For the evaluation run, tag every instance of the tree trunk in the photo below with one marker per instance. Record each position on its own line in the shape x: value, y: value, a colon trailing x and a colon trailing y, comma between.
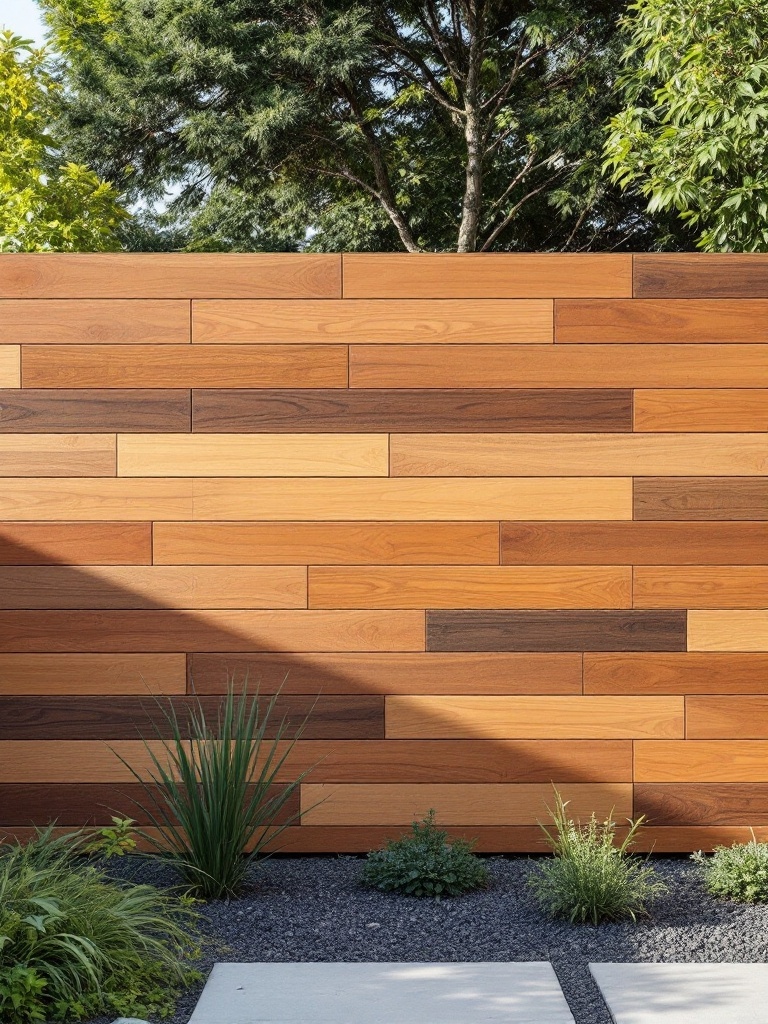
x: 473, y: 135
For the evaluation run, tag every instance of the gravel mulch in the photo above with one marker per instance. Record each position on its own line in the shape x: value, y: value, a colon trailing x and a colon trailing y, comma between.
x: 314, y: 908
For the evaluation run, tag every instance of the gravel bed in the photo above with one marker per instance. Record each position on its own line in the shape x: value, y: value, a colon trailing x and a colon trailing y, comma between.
x: 314, y: 908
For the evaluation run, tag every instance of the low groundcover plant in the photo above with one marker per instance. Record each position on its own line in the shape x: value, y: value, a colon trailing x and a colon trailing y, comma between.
x: 738, y: 872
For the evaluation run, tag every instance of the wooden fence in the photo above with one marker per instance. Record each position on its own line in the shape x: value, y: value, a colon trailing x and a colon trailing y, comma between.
x: 500, y: 520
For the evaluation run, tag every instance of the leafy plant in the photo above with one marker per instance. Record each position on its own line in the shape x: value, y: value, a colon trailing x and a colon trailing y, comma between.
x: 592, y: 877
x: 215, y: 795
x: 424, y: 863
x: 738, y: 872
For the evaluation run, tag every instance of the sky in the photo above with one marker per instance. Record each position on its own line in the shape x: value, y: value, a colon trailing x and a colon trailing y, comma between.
x: 23, y: 18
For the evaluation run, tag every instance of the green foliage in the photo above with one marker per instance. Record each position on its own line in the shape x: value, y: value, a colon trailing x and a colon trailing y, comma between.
x: 591, y: 878
x: 693, y: 136
x: 113, y: 840
x: 424, y: 863
x: 215, y: 796
x: 74, y: 943
x: 738, y: 872
x: 46, y: 202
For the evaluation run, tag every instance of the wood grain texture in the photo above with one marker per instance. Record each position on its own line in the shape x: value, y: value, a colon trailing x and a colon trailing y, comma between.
x: 91, y: 674
x: 479, y: 804
x: 728, y: 630
x: 34, y: 411
x: 558, y: 366
x: 724, y: 804
x: 704, y: 586
x: 153, y: 586
x: 700, y: 275
x: 160, y: 631
x: 424, y: 410
x: 239, y: 455
x: 95, y: 499
x: 674, y: 321
x: 636, y: 543
x: 389, y: 673
x: 486, y: 275
x: 170, y: 275
x: 380, y: 321
x: 556, y: 630
x: 412, y: 499
x: 75, y: 543
x: 94, y: 321
x: 55, y: 761
x: 705, y: 410
x: 491, y: 718
x: 10, y: 366
x: 726, y: 717
x: 198, y: 366
x: 675, y: 673
x: 701, y: 761
x: 325, y: 543
x: 701, y: 498
x: 578, y: 454
x: 473, y: 587
x: 57, y: 455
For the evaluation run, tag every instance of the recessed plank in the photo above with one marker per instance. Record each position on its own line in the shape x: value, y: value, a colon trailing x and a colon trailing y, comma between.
x: 35, y: 455
x: 486, y: 275
x: 728, y: 630
x: 725, y: 804
x: 153, y: 586
x: 95, y: 499
x: 239, y: 455
x: 726, y: 717
x: 325, y: 543
x: 388, y: 673
x: 92, y: 674
x: 412, y: 499
x: 556, y: 630
x: 725, y: 409
x: 75, y: 543
x: 10, y: 366
x: 701, y: 761
x: 381, y: 321
x: 170, y: 275
x: 198, y: 366
x: 675, y: 321
x: 474, y: 587
x: 636, y: 543
x: 705, y: 275
x: 456, y: 804
x: 702, y: 498
x: 34, y: 411
x: 161, y: 631
x: 558, y: 366
x: 288, y: 411
x: 578, y: 454
x: 491, y: 718
x: 675, y: 673
x: 704, y: 586
x: 683, y: 839
x: 94, y: 321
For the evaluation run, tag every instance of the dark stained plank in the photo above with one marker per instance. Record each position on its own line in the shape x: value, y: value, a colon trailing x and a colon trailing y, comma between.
x: 700, y: 275
x: 722, y: 803
x: 635, y: 543
x: 653, y: 321
x: 569, y: 630
x: 75, y: 543
x: 117, y: 718
x: 707, y: 498
x: 46, y: 410
x: 424, y: 410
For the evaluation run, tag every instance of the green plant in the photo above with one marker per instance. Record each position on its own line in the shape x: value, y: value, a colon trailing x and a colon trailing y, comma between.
x: 75, y: 943
x: 591, y: 877
x: 424, y: 863
x: 738, y: 872
x: 215, y: 795
x: 114, y: 840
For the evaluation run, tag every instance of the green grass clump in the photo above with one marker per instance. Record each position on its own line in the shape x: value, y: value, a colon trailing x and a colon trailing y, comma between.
x: 424, y: 863
x: 591, y: 877
x: 738, y: 872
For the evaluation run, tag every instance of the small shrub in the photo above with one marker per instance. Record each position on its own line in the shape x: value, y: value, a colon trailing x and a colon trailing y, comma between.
x: 591, y: 878
x: 738, y: 872
x: 424, y: 863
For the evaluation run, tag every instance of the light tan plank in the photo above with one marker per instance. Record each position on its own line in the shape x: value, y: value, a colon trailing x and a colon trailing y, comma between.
x: 238, y: 455
x: 705, y: 586
x: 412, y: 717
x: 579, y: 454
x: 705, y: 409
x: 91, y: 674
x: 10, y: 366
x: 728, y: 630
x: 57, y: 455
x: 94, y: 321
x: 94, y: 499
x: 701, y: 761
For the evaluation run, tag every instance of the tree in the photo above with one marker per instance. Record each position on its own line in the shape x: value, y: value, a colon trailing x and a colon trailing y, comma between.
x: 386, y: 124
x: 693, y: 137
x: 44, y: 203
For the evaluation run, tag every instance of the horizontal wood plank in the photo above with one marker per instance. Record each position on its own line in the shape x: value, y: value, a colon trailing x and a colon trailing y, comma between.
x: 57, y: 455
x: 728, y: 630
x: 700, y: 275
x: 701, y: 498
x: 702, y: 761
x: 52, y: 499
x: 691, y: 672
x: 650, y: 321
x: 703, y: 410
x: 75, y: 543
x: 94, y: 321
x: 704, y: 586
x: 742, y: 717
x: 10, y: 366
x: 697, y: 804
x: 62, y: 410
x: 91, y: 674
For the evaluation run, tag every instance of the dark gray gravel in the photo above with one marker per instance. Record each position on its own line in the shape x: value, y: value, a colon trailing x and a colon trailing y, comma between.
x: 313, y: 908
